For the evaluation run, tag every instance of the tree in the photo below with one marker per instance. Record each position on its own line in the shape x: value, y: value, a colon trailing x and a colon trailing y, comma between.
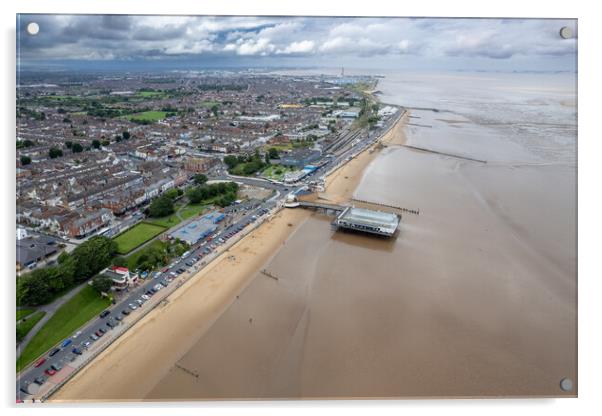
x: 96, y: 144
x: 200, y: 179
x: 231, y: 161
x: 25, y: 160
x: 161, y: 207
x: 267, y: 158
x: 215, y: 109
x: 195, y: 195
x: 126, y: 135
x: 273, y: 152
x: 106, y: 142
x: 120, y: 261
x: 55, y: 152
x: 102, y: 284
x: 77, y: 148
x: 68, y: 144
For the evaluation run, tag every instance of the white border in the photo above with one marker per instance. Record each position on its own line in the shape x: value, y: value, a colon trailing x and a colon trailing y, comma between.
x: 590, y: 70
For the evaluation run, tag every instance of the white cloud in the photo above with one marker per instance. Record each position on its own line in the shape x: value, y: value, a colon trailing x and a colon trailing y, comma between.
x: 304, y: 46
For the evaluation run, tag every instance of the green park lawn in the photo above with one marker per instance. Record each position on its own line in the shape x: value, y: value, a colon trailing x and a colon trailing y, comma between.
x: 276, y: 172
x: 167, y: 222
x: 24, y: 327
x: 137, y: 235
x: 192, y: 210
x: 208, y: 104
x: 22, y: 313
x: 151, y: 116
x: 78, y: 310
x: 151, y: 94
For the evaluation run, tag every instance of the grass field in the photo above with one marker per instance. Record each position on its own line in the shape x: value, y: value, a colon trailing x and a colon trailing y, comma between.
x: 167, y: 222
x: 74, y: 313
x: 186, y: 212
x: 147, y: 116
x: 136, y: 236
x: 192, y: 210
x: 151, y: 94
x: 24, y: 327
x: 276, y: 172
x: 22, y: 313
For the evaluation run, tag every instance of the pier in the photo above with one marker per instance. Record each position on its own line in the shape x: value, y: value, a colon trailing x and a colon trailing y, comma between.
x: 353, y: 218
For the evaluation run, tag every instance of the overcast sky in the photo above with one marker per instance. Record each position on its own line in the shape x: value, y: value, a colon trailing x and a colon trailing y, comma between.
x: 196, y: 42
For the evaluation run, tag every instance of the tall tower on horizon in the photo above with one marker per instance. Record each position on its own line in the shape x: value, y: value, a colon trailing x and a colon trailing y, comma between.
x: 342, y: 71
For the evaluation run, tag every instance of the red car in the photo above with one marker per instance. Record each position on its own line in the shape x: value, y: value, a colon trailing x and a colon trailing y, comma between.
x: 40, y: 362
x: 50, y: 371
x: 165, y: 270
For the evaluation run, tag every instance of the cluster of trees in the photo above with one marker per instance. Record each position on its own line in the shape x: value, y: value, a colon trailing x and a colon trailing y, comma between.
x: 55, y: 152
x: 223, y: 192
x: 199, y: 179
x: 22, y: 144
x: 164, y: 205
x: 158, y: 255
x: 124, y: 136
x: 25, y: 160
x: 241, y: 165
x: 43, y: 285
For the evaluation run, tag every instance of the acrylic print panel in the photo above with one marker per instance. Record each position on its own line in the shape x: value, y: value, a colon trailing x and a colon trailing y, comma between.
x: 295, y: 207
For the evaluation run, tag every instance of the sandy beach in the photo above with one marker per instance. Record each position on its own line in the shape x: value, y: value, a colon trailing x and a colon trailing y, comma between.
x: 124, y: 371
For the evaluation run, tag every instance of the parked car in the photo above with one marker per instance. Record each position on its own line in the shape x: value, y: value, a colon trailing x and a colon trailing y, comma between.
x: 111, y: 324
x: 40, y: 362
x: 140, y: 302
x: 76, y: 351
x: 77, y: 334
x: 40, y: 380
x: 50, y: 371
x: 132, y: 306
x: 86, y: 344
x: 104, y: 314
x: 54, y: 352
x: 56, y: 366
x: 125, y: 312
x: 66, y: 343
x: 93, y: 337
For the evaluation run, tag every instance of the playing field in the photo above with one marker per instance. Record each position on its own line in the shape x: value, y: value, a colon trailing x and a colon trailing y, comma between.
x: 147, y: 116
x: 136, y: 236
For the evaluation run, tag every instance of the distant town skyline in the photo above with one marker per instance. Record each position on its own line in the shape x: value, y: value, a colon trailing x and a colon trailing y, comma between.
x: 185, y: 42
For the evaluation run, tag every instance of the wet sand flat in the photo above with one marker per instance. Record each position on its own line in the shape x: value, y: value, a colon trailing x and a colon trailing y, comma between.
x: 465, y: 302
